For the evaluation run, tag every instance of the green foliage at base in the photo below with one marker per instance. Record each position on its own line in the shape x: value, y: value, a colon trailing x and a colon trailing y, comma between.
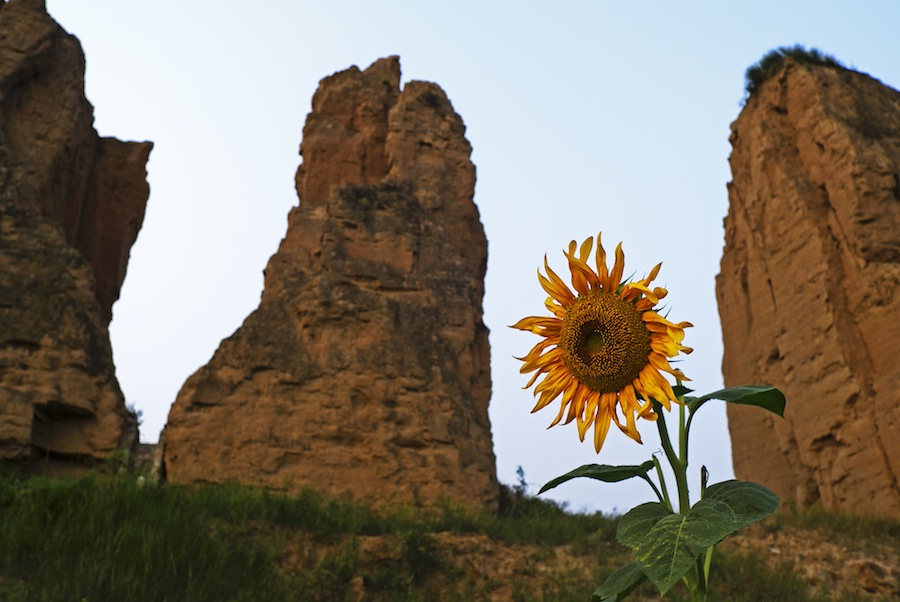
x: 774, y: 60
x: 749, y: 577
x: 104, y: 538
x: 109, y: 537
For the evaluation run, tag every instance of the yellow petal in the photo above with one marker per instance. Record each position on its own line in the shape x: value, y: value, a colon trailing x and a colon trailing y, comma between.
x: 649, y: 387
x: 643, y: 305
x: 584, y: 423
x: 600, y: 258
x: 560, y: 293
x: 653, y: 273
x: 601, y: 428
x: 560, y: 284
x: 572, y: 413
x: 628, y: 399
x: 585, y: 250
x: 557, y: 310
x: 537, y: 324
x: 647, y: 292
x: 631, y: 427
x: 664, y: 345
x: 583, y: 277
x: 615, y: 276
x: 562, y: 409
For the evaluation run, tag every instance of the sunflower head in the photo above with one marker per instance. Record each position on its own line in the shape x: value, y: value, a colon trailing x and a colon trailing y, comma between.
x: 603, y: 348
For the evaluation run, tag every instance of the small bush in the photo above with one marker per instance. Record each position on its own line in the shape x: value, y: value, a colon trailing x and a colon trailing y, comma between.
x: 774, y: 60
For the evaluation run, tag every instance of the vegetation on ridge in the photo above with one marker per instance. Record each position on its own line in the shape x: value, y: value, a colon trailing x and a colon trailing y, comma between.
x: 774, y: 60
x: 120, y: 537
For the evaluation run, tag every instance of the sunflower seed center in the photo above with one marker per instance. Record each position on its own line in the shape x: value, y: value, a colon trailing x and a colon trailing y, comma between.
x: 604, y: 342
x: 593, y: 343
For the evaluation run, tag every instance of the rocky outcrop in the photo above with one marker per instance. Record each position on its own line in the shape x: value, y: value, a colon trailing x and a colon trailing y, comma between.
x: 808, y: 290
x: 365, y: 370
x: 71, y: 204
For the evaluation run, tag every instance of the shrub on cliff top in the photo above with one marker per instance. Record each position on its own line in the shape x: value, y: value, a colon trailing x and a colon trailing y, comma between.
x: 773, y: 61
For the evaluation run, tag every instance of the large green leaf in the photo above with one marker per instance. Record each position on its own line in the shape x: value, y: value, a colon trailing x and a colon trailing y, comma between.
x: 762, y: 396
x: 635, y: 524
x: 601, y: 472
x: 622, y: 582
x: 671, y: 547
x: 749, y: 502
x: 666, y: 545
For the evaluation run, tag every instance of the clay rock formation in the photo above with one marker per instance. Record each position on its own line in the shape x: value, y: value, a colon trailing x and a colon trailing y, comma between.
x: 365, y: 370
x: 71, y: 204
x: 808, y: 290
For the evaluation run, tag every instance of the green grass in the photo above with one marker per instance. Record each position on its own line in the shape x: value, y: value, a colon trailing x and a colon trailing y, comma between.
x: 864, y: 531
x: 99, y: 539
x: 105, y: 537
x: 774, y: 60
x: 748, y: 577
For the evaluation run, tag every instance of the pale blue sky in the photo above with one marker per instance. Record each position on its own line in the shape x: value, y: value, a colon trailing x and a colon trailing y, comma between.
x: 583, y: 116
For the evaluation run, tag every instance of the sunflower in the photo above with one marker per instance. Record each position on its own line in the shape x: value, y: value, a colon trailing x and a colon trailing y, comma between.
x: 604, y: 348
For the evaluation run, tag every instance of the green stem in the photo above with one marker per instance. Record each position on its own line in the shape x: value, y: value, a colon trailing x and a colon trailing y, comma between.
x: 687, y: 429
x: 662, y: 482
x: 698, y: 592
x: 698, y: 595
x: 679, y: 467
x: 707, y: 561
x: 655, y: 490
x: 696, y: 578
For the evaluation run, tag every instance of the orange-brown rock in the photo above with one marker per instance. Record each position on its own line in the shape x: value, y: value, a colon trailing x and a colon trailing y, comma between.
x: 808, y: 290
x: 365, y: 370
x: 71, y: 204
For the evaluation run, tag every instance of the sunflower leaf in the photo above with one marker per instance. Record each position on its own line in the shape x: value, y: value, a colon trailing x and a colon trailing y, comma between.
x: 601, y: 472
x: 750, y: 502
x: 666, y: 545
x: 619, y: 584
x: 672, y: 546
x: 681, y: 390
x: 635, y: 524
x: 762, y: 396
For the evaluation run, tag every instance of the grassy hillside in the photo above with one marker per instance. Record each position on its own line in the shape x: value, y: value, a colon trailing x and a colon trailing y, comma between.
x: 109, y: 537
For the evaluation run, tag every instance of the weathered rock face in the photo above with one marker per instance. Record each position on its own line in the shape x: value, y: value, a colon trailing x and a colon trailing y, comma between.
x: 808, y: 292
x: 71, y: 204
x: 365, y: 370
